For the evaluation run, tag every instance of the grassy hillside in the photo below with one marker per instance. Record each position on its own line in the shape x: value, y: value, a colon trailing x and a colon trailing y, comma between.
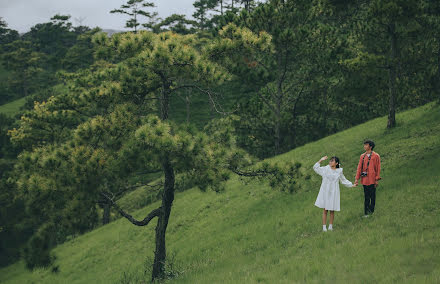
x: 13, y: 107
x: 251, y: 234
x: 4, y: 76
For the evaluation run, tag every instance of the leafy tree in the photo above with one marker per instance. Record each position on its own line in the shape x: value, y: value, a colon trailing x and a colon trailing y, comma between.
x: 80, y: 55
x: 49, y: 133
x: 212, y: 15
x: 38, y: 54
x: 383, y: 28
x: 13, y: 231
x: 430, y: 40
x: 111, y: 132
x: 6, y: 35
x: 134, y: 9
x: 172, y: 63
x: 201, y: 14
x: 26, y: 66
x: 282, y: 74
x: 176, y: 23
x: 53, y: 39
x: 249, y: 5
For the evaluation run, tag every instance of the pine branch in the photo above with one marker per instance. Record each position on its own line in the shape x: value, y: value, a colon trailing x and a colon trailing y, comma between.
x: 217, y: 107
x: 120, y: 11
x: 257, y: 173
x: 154, y: 213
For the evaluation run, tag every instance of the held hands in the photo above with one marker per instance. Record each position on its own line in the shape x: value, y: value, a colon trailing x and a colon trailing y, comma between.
x: 356, y: 183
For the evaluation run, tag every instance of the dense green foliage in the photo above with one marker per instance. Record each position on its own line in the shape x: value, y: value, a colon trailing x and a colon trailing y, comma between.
x: 33, y: 59
x: 191, y: 103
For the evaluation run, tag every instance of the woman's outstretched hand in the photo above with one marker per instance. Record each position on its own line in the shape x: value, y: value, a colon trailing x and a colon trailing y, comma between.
x: 323, y: 159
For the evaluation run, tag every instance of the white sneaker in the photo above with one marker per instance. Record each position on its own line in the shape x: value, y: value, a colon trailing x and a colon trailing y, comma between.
x: 324, y: 229
x: 330, y: 228
x: 366, y: 216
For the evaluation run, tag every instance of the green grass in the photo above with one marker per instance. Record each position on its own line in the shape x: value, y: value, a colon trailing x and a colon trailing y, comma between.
x: 252, y: 234
x: 12, y: 108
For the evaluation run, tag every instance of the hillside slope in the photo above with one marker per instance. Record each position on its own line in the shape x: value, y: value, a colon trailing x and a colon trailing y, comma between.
x: 250, y: 233
x: 12, y: 108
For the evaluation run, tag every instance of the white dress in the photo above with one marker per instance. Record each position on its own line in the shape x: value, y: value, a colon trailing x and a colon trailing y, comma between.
x: 329, y: 197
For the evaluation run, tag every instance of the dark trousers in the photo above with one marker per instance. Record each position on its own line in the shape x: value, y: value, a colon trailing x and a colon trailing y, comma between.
x: 370, y: 198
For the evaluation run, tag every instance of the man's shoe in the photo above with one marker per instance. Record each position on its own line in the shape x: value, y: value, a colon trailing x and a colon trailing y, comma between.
x: 366, y: 216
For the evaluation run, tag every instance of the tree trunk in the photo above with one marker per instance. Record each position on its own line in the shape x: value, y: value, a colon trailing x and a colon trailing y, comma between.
x: 167, y: 198
x: 437, y: 85
x: 162, y: 222
x: 25, y: 88
x: 135, y: 23
x: 106, y: 213
x: 165, y: 102
x: 187, y: 101
x: 326, y: 111
x: 392, y: 78
x: 277, y: 123
x: 294, y: 114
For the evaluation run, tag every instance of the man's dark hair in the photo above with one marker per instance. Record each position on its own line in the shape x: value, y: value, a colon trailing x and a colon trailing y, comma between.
x: 371, y: 143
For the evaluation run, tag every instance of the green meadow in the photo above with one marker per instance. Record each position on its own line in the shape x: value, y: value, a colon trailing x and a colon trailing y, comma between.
x: 12, y: 108
x: 252, y: 234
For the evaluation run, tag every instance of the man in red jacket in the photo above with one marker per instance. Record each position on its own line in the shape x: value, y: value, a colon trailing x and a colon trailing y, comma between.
x: 368, y: 171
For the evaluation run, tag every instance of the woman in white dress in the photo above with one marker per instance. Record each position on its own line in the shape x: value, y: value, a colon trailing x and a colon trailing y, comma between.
x: 329, y: 196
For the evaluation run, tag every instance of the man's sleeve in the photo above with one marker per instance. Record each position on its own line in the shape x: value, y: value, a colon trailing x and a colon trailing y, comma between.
x: 358, y: 172
x: 377, y: 169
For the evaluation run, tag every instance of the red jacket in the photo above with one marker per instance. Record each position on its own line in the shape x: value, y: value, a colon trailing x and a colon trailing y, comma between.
x: 373, y: 170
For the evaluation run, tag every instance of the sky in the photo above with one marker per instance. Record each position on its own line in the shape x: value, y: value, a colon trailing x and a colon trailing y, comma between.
x: 21, y: 15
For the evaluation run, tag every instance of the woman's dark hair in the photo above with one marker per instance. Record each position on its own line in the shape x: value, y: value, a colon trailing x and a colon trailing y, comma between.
x: 369, y: 142
x: 336, y: 160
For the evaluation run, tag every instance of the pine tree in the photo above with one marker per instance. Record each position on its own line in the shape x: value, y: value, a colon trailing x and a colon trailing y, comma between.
x: 203, y: 7
x: 112, y: 131
x: 382, y: 29
x: 134, y: 9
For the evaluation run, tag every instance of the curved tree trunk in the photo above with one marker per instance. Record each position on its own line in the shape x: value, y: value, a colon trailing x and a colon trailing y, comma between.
x: 162, y: 223
x: 167, y: 196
